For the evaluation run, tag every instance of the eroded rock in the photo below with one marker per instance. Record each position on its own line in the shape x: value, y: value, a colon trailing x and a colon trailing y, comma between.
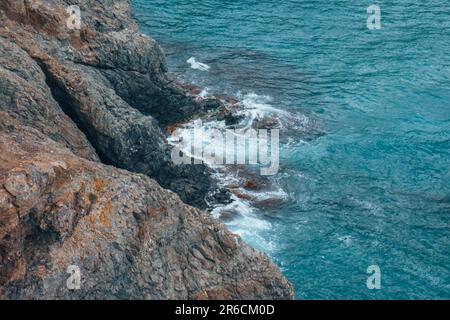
x: 70, y: 100
x: 129, y: 237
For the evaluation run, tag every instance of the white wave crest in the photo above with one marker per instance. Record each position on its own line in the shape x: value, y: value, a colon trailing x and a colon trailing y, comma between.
x: 197, y: 65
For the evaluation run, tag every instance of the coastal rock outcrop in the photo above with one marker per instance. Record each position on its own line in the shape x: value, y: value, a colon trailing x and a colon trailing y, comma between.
x: 111, y: 81
x: 25, y: 96
x: 81, y: 140
x: 129, y: 237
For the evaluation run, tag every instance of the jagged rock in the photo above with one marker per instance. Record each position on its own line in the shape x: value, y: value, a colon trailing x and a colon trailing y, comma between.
x: 105, y: 76
x: 71, y: 99
x: 129, y: 237
x: 25, y: 97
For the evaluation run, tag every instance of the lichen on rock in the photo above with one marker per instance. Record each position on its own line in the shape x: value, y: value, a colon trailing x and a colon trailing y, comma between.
x: 84, y: 160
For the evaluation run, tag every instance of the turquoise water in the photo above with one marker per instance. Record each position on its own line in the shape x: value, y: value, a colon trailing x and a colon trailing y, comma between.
x: 371, y: 183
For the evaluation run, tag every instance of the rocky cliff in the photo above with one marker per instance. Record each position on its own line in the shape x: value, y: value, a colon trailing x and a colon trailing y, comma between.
x: 82, y: 114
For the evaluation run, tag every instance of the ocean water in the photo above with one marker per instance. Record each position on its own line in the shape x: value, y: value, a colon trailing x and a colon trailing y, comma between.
x: 365, y: 157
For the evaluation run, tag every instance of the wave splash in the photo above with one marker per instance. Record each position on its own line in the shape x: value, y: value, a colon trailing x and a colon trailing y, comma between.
x: 197, y: 65
x: 251, y: 192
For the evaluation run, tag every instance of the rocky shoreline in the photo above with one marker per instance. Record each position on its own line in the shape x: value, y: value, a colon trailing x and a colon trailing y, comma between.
x: 86, y: 177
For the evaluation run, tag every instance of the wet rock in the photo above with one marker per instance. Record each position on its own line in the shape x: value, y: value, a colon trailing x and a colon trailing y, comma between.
x: 219, y: 196
x: 268, y: 123
x: 251, y: 185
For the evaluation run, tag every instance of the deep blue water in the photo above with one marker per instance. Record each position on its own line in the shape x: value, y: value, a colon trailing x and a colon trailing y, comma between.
x: 374, y: 187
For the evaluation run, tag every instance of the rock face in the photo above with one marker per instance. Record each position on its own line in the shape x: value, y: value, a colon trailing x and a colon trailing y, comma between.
x: 129, y: 237
x: 77, y: 107
x: 109, y: 79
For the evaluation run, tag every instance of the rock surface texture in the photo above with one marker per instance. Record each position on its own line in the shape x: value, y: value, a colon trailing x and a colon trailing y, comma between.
x: 81, y: 140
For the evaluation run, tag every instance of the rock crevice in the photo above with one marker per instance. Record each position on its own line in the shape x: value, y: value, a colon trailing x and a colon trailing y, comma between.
x: 81, y: 138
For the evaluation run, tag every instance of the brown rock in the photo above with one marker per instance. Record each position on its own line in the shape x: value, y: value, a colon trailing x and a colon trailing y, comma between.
x: 70, y: 99
x: 125, y: 244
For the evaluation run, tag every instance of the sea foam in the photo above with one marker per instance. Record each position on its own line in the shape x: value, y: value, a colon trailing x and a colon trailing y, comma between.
x: 197, y: 65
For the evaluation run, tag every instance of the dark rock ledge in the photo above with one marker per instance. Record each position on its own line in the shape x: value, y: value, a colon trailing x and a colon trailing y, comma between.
x: 77, y: 107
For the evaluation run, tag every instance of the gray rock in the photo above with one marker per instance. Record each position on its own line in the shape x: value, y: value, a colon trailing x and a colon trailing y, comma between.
x: 70, y: 100
x: 130, y: 238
